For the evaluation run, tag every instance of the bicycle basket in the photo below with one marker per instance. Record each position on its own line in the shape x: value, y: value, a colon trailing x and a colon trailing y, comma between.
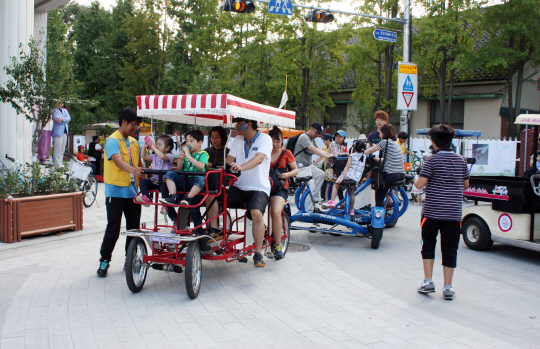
x: 79, y: 171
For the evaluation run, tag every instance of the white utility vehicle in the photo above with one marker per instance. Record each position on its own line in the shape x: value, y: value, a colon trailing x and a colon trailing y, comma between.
x: 510, y: 209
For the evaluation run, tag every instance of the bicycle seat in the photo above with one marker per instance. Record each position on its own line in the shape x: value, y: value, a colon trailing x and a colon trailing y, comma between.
x: 399, y: 183
x: 409, y: 177
x: 303, y: 179
x: 348, y: 183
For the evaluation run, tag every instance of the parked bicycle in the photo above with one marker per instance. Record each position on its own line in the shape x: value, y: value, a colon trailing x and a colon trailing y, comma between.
x: 80, y: 171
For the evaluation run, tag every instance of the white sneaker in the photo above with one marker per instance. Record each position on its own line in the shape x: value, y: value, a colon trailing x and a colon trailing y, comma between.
x: 426, y: 287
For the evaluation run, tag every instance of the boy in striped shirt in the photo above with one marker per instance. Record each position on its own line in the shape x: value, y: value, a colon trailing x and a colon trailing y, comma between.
x: 445, y: 176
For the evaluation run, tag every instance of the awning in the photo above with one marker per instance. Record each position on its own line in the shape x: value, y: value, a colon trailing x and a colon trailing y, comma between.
x: 287, y: 132
x: 211, y: 110
x: 459, y: 133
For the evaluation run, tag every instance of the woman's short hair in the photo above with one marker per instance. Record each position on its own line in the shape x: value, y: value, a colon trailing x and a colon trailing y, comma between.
x: 222, y: 134
x: 381, y: 114
x: 387, y: 132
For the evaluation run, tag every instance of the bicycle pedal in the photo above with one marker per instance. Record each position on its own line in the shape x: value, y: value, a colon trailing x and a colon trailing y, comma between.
x: 269, y: 255
x: 242, y: 259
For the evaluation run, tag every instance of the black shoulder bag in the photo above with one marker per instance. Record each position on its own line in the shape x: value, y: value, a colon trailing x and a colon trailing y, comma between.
x: 276, y: 182
x: 377, y: 174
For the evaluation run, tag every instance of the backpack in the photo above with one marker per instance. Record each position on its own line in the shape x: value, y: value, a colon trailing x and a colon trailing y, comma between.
x: 277, y: 183
x: 291, y: 144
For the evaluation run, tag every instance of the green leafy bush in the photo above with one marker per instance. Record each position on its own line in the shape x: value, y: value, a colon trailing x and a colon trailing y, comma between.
x: 48, y: 181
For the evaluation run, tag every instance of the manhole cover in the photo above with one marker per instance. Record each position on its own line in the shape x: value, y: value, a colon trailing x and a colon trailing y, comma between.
x: 293, y: 247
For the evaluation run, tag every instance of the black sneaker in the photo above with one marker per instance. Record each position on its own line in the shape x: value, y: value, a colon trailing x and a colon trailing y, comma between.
x: 171, y: 200
x: 278, y: 253
x: 185, y: 200
x: 103, y: 267
x: 258, y: 260
x: 216, y: 234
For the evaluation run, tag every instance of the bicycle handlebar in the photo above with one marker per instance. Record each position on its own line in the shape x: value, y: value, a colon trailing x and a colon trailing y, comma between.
x: 10, y: 159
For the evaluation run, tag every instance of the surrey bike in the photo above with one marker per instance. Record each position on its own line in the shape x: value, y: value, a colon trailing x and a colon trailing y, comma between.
x: 180, y: 247
x: 366, y: 221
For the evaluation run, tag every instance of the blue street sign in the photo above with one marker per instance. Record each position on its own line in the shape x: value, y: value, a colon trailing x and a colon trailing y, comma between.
x: 385, y: 35
x: 408, y: 86
x: 280, y: 7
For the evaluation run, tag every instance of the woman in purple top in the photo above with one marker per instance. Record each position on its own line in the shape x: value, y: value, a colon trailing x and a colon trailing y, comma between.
x: 162, y: 159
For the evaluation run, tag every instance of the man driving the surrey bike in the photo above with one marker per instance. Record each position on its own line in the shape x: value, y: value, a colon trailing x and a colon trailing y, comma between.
x: 250, y: 153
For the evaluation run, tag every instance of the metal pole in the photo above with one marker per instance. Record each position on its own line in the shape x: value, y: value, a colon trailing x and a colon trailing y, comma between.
x: 398, y: 20
x: 404, y: 122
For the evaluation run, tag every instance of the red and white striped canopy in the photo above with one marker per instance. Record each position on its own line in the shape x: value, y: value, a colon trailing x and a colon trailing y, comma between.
x: 210, y: 110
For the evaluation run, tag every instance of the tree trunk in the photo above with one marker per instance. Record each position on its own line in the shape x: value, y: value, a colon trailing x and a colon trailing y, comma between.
x: 389, y: 61
x: 379, y: 83
x: 388, y: 68
x: 450, y: 92
x: 510, y: 103
x: 306, y: 78
x: 442, y: 88
x: 519, y: 87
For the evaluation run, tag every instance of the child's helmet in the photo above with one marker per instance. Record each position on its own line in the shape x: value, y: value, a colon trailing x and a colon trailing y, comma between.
x: 80, y: 147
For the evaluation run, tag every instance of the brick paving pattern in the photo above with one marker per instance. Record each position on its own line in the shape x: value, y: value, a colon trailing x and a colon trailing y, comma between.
x: 338, y: 294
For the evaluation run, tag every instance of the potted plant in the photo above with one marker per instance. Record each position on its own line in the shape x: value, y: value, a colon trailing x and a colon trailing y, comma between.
x: 32, y: 202
x: 54, y: 206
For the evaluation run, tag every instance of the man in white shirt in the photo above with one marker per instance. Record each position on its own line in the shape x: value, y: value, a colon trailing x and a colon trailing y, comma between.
x: 303, y: 151
x: 250, y: 153
x: 60, y: 131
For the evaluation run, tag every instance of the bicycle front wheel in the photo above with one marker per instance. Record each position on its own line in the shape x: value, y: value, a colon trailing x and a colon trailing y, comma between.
x: 90, y: 187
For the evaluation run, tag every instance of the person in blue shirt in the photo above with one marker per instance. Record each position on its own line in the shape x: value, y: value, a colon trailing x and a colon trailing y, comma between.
x: 60, y: 131
x: 122, y: 170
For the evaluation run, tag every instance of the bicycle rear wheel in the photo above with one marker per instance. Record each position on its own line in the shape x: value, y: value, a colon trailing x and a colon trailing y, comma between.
x: 90, y: 187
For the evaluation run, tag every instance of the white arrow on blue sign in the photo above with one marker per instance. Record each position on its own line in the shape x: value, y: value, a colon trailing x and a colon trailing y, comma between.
x: 280, y: 7
x: 385, y: 35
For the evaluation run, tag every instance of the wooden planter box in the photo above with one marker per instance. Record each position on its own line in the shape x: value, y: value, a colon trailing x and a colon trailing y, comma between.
x: 40, y: 214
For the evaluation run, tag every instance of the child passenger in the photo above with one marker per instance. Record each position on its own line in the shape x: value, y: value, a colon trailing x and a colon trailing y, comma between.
x: 162, y: 159
x: 190, y: 158
x: 353, y: 171
x: 415, y: 191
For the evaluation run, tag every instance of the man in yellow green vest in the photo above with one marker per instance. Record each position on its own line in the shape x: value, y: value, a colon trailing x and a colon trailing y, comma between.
x: 122, y: 170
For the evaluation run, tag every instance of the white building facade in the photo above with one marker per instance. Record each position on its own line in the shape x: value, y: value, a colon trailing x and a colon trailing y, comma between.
x: 19, y: 21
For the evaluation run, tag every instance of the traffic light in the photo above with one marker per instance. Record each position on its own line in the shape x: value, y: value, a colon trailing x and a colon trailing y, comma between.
x: 319, y: 16
x: 241, y: 6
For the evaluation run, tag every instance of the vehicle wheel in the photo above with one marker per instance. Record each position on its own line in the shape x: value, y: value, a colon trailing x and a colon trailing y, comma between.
x: 476, y: 234
x: 229, y: 221
x: 391, y: 225
x: 193, y: 269
x: 387, y: 214
x: 90, y: 187
x: 376, y: 237
x: 286, y: 230
x: 135, y: 267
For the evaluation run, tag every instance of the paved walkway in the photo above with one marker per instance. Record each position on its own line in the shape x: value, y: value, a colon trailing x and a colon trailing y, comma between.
x: 339, y: 294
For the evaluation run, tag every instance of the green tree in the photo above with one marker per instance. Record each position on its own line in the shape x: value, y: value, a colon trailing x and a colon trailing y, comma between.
x: 147, y: 40
x: 445, y: 40
x: 100, y: 54
x: 512, y: 29
x: 372, y: 61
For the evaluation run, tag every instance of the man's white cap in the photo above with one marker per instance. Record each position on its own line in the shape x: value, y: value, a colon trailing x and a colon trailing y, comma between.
x: 362, y: 137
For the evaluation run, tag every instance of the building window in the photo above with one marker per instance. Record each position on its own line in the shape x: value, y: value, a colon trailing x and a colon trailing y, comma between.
x: 457, y: 114
x: 337, y: 116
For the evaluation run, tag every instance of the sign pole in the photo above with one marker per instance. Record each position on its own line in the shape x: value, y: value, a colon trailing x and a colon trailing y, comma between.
x: 404, y: 120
